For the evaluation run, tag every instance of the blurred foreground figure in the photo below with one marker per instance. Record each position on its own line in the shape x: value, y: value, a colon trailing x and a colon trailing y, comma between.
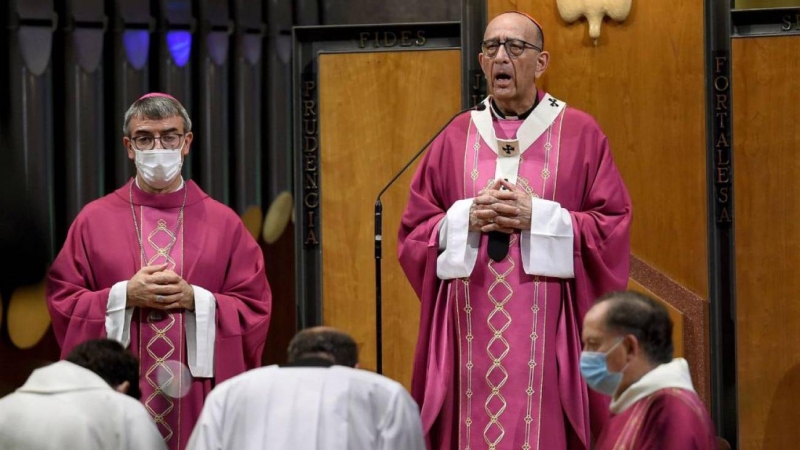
x: 317, y: 401
x: 627, y: 355
x: 80, y: 403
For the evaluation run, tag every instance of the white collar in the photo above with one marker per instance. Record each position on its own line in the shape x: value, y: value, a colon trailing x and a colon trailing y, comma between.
x: 534, y: 125
x: 539, y: 121
x: 62, y: 376
x: 674, y: 374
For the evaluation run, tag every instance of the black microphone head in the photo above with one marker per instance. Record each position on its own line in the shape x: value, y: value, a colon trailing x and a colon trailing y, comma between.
x: 480, y: 106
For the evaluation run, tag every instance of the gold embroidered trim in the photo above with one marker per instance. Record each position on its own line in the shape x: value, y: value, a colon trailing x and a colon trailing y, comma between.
x: 499, y: 293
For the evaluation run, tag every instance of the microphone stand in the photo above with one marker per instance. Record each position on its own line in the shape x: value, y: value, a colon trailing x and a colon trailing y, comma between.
x: 379, y: 238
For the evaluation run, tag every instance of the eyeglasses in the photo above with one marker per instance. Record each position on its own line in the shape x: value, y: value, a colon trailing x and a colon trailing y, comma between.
x: 169, y: 141
x: 514, y: 47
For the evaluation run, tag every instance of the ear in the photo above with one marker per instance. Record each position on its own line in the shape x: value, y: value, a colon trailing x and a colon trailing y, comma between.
x: 542, y: 61
x: 126, y: 141
x: 483, y: 60
x: 632, y: 347
x: 123, y: 388
x: 187, y: 143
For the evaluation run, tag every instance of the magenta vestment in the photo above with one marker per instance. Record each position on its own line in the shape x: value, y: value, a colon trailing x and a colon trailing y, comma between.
x: 667, y: 419
x: 210, y: 249
x: 496, y: 364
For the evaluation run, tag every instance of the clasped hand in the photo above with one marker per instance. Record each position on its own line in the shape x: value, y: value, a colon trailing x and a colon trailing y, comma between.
x: 159, y: 288
x: 503, y: 207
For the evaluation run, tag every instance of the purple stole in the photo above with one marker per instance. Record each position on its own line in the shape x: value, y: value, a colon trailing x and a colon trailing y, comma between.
x: 507, y: 320
x: 164, y: 376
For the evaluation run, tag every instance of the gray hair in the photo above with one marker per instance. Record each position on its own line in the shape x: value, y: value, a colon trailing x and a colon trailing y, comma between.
x: 156, y: 108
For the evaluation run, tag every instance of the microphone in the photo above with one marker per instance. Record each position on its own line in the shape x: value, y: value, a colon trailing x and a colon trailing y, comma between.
x: 379, y: 236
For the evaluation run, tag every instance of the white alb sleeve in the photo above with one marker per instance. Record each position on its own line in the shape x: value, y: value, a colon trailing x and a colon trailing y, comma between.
x: 118, y: 317
x: 201, y: 333
x: 461, y: 245
x: 547, y: 249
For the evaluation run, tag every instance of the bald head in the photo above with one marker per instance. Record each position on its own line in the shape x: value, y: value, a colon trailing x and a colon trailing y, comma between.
x: 324, y: 342
x: 512, y: 59
x: 532, y: 30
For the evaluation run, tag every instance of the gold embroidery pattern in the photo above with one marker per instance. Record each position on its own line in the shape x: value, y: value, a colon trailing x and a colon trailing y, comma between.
x: 162, y: 253
x: 476, y: 146
x: 547, y: 147
x: 474, y: 173
x: 558, y: 152
x: 498, y: 321
x: 535, y: 309
x: 469, y: 364
x: 546, y: 165
x: 532, y: 370
x: 526, y: 186
x: 160, y: 367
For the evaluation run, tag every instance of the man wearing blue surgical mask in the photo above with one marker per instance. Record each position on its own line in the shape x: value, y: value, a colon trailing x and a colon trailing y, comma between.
x: 627, y: 355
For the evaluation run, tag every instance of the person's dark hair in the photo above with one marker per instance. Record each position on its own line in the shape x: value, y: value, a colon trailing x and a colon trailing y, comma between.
x: 633, y: 313
x: 324, y: 342
x: 111, y: 361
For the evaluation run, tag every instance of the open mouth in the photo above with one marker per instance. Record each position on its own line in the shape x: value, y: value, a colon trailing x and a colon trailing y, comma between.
x: 502, y: 79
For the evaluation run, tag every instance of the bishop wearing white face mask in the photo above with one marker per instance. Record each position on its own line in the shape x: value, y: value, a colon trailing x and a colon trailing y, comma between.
x: 166, y: 270
x: 159, y: 167
x: 627, y: 355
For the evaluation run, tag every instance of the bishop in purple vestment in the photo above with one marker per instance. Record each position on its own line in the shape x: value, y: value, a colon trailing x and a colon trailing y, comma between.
x: 628, y: 353
x: 517, y: 219
x: 163, y: 268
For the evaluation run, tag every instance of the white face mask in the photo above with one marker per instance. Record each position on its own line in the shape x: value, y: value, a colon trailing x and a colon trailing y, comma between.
x: 158, y: 167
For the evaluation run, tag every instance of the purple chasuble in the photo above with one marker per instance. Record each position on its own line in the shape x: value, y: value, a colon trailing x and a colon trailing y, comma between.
x: 668, y: 419
x: 211, y: 249
x: 496, y: 365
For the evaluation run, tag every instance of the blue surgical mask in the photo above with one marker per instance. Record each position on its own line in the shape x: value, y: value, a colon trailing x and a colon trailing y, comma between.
x: 594, y: 368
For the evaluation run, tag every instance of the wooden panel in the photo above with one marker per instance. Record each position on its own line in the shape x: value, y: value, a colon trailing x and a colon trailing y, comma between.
x: 674, y: 314
x: 766, y: 136
x: 376, y: 110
